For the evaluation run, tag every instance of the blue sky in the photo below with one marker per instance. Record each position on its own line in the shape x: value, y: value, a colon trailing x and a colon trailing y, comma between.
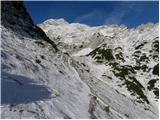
x: 95, y: 13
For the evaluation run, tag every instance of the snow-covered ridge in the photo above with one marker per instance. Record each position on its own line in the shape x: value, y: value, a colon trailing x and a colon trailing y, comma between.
x: 79, y: 71
x: 128, y: 57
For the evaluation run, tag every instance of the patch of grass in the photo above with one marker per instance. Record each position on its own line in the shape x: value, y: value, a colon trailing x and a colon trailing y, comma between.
x: 156, y: 70
x: 137, y: 67
x: 87, y: 70
x: 146, y: 108
x: 106, y: 109
x: 42, y: 56
x: 38, y: 61
x: 151, y: 84
x: 141, y: 67
x: 113, y: 65
x: 61, y: 72
x: 144, y: 68
x: 140, y: 46
x: 156, y: 45
x: 57, y: 94
x: 109, y: 77
x: 118, y: 48
x: 120, y: 57
x: 143, y: 58
x: 81, y: 46
x: 156, y: 92
x: 123, y: 73
x: 136, y: 89
x: 101, y: 54
x: 155, y: 56
x: 126, y: 115
x: 98, y: 57
x: 83, y: 64
x: 137, y: 54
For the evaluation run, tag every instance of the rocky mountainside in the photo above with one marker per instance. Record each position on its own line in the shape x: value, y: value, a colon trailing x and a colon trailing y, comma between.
x: 77, y: 71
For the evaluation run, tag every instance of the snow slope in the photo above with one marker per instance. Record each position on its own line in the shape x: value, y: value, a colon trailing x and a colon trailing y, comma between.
x: 125, y: 59
x: 61, y: 76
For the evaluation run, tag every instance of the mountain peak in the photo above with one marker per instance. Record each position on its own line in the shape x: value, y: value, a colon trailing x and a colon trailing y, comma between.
x: 55, y: 22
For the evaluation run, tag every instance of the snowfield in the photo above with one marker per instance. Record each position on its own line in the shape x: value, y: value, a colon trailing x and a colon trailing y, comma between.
x: 62, y: 70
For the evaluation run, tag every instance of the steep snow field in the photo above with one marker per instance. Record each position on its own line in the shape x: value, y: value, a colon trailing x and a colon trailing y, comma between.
x: 76, y: 71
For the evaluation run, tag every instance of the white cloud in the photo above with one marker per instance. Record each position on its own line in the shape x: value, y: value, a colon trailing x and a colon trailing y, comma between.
x: 90, y: 16
x: 118, y: 14
x: 114, y: 17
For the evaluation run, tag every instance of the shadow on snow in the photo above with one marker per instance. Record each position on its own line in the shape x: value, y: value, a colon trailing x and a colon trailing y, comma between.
x: 19, y: 89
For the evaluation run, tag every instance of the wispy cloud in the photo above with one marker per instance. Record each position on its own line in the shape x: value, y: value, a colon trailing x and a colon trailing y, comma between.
x: 92, y: 16
x: 115, y: 17
x: 118, y: 14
